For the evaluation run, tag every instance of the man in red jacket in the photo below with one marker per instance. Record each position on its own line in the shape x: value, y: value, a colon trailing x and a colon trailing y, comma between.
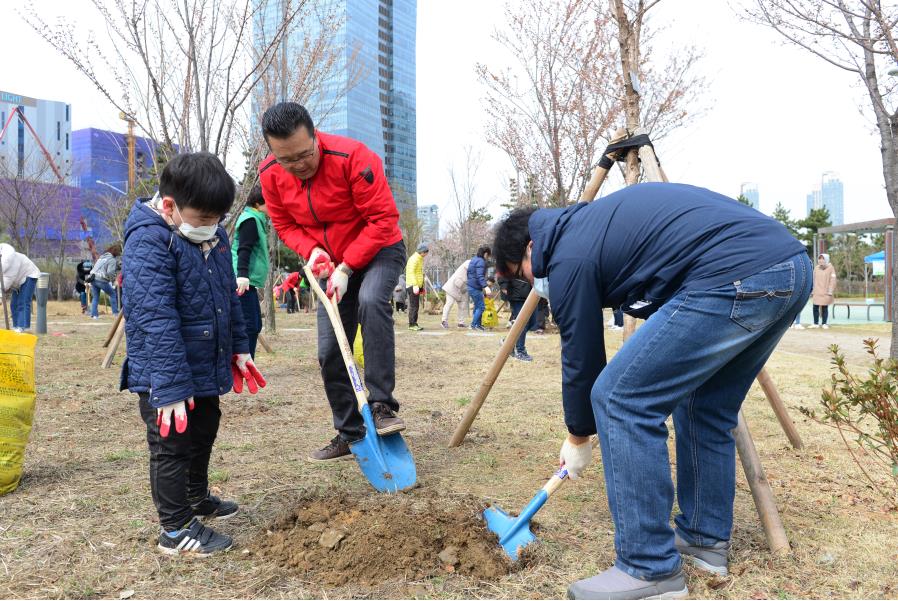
x: 329, y: 200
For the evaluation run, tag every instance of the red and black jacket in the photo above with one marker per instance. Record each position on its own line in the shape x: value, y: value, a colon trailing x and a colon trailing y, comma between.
x: 346, y: 208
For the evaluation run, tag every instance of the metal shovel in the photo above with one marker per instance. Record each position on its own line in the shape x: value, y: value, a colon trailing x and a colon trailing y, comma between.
x: 514, y: 533
x: 385, y: 460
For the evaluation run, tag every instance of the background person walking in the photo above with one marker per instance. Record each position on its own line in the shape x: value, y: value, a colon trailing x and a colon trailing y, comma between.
x: 456, y: 289
x: 414, y: 283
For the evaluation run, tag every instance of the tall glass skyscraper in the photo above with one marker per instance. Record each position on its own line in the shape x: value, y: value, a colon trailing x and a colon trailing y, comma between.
x: 830, y: 196
x: 378, y: 41
x: 750, y: 191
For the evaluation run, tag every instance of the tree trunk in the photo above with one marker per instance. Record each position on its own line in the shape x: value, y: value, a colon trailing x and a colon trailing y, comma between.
x: 268, y: 306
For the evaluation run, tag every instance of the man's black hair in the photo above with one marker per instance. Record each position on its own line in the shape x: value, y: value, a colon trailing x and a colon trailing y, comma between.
x: 512, y: 237
x: 198, y: 180
x: 255, y: 198
x: 483, y: 250
x: 284, y: 118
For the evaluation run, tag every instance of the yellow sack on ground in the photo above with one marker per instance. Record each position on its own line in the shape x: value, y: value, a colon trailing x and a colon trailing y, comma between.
x: 357, y: 351
x: 490, y: 317
x: 16, y: 404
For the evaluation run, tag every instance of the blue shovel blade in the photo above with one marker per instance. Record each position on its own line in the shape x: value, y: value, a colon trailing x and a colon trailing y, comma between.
x: 513, y: 535
x: 385, y: 460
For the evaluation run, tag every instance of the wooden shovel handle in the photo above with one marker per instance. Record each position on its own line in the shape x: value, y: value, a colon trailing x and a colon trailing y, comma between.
x: 330, y: 305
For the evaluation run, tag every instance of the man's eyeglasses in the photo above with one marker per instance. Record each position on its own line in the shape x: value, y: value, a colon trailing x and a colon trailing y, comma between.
x: 303, y: 156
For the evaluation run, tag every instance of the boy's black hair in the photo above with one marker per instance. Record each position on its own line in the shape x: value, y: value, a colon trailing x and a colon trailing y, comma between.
x: 284, y: 118
x: 484, y: 250
x: 255, y: 198
x: 512, y: 237
x: 198, y: 180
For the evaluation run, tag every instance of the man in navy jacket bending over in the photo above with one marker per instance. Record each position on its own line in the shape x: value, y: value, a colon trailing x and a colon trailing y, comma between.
x: 719, y: 283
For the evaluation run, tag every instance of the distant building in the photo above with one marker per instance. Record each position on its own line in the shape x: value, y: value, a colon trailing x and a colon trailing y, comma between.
x: 830, y: 196
x: 429, y: 216
x: 380, y: 108
x: 750, y: 191
x: 100, y: 168
x: 20, y: 154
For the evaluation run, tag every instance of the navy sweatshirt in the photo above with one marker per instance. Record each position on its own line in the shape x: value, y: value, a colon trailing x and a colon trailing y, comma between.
x: 635, y: 249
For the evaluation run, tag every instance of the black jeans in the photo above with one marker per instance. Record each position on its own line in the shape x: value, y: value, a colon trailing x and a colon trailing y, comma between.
x: 618, y: 318
x: 291, y: 301
x: 179, y: 463
x: 521, y: 344
x: 252, y: 316
x: 414, y: 301
x: 367, y: 301
x: 821, y: 311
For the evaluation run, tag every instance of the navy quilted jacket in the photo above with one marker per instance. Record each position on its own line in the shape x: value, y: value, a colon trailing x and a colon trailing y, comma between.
x: 183, y: 319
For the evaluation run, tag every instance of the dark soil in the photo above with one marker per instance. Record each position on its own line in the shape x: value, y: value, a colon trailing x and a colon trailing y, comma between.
x: 375, y: 539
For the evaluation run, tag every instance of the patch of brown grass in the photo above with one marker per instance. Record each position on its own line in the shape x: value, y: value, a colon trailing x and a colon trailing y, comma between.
x: 82, y: 523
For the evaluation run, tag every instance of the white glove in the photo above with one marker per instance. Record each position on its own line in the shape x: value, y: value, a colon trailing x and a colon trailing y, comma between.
x: 320, y: 263
x: 163, y: 417
x: 575, y: 457
x: 242, y: 286
x: 339, y: 282
x: 416, y: 290
x: 488, y: 291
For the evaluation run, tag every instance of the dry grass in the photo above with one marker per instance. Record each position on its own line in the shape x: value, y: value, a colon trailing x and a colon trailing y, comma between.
x: 82, y: 524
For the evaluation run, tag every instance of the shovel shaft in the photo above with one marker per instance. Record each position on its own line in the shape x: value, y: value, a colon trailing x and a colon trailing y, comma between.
x: 523, y: 520
x: 342, y: 341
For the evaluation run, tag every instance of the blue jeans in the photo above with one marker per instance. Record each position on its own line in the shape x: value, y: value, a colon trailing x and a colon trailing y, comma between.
x: 20, y: 304
x: 252, y: 317
x: 106, y: 287
x: 521, y: 345
x: 695, y: 358
x: 479, y: 306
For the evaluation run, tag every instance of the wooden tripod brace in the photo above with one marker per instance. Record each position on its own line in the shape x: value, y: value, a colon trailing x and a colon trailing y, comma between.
x: 751, y: 461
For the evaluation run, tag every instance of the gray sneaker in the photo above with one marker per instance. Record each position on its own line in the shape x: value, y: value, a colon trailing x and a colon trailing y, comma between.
x: 616, y: 584
x: 711, y: 559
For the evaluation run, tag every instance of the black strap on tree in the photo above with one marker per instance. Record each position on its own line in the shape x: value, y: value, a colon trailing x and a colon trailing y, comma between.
x: 616, y: 149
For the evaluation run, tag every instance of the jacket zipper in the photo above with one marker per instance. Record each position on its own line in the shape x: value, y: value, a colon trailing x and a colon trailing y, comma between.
x: 315, y: 216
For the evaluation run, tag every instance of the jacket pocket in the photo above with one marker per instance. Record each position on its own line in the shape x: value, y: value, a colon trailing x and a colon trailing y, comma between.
x: 199, y: 346
x: 763, y: 298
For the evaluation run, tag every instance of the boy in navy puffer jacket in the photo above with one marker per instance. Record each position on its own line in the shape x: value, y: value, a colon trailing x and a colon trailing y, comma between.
x: 186, y: 339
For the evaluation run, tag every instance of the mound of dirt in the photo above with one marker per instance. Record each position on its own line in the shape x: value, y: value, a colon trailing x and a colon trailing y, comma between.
x: 378, y: 538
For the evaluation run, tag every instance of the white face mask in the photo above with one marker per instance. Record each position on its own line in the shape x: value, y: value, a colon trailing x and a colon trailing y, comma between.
x: 196, y: 234
x: 541, y: 286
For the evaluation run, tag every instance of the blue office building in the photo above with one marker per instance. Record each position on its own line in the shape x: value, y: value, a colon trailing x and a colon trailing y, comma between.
x: 830, y: 196
x: 377, y: 38
x: 100, y: 168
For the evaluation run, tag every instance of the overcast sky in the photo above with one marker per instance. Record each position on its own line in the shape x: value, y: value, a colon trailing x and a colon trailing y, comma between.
x: 775, y: 115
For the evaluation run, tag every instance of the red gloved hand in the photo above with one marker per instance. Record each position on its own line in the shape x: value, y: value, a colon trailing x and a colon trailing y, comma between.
x: 163, y: 417
x: 242, y: 367
x: 320, y: 263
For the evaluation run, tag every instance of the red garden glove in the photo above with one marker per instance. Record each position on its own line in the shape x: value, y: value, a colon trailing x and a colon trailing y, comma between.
x: 163, y: 417
x: 242, y: 367
x: 320, y: 263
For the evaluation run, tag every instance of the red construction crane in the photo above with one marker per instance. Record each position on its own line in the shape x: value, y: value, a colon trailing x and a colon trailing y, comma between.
x: 18, y: 111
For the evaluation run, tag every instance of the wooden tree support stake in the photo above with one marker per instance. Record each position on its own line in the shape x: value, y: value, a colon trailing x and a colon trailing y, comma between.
x: 114, y: 328
x: 117, y: 336
x: 264, y: 343
x: 760, y: 489
x: 779, y: 408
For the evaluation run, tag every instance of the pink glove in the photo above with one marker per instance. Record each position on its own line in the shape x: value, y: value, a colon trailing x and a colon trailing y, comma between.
x: 242, y: 367
x: 164, y: 413
x: 320, y: 263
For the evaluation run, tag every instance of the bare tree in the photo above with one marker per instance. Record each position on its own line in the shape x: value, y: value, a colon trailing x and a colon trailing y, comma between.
x: 27, y: 201
x: 555, y: 123
x: 182, y: 69
x: 59, y: 245
x: 859, y: 37
x: 465, y: 204
x: 550, y: 111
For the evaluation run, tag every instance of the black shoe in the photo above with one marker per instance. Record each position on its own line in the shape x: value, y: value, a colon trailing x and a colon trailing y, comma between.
x: 195, y: 540
x: 337, y: 448
x: 214, y: 508
x: 385, y: 420
x: 521, y: 356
